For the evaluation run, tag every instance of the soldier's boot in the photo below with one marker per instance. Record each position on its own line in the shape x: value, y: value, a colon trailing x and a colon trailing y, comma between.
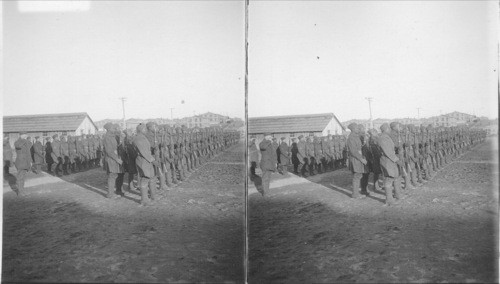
x: 143, y: 185
x: 163, y: 182
x: 356, y: 181
x: 111, y: 185
x: 397, y: 188
x: 389, y: 199
x: 152, y: 189
x: 376, y: 185
x: 119, y: 184
x: 168, y: 178
x: 364, y: 184
x: 406, y: 179
x: 173, y: 174
x: 182, y: 176
x: 413, y: 176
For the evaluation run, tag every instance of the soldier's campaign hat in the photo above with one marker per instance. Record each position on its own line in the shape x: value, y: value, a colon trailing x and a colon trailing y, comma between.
x: 352, y: 126
x: 140, y: 127
x: 394, y: 124
x: 55, y: 136
x: 384, y: 127
x: 301, y: 136
x: 373, y: 131
x: 36, y: 137
x: 283, y: 138
x: 108, y: 126
x: 150, y: 124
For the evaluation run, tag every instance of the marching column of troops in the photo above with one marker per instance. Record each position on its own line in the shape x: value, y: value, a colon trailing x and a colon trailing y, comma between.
x: 159, y: 155
x: 404, y: 155
x: 400, y: 154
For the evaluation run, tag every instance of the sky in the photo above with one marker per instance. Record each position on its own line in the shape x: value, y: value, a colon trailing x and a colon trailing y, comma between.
x: 84, y: 56
x: 329, y: 56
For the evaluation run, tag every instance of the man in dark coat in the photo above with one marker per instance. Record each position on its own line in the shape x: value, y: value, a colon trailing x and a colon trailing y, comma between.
x: 253, y: 155
x: 295, y: 159
x: 7, y: 156
x: 284, y: 156
x: 144, y: 162
x: 154, y: 141
x: 131, y: 154
x: 23, y: 161
x: 48, y: 154
x: 374, y: 157
x: 357, y: 162
x: 56, y: 154
x: 38, y: 155
x: 302, y: 155
x: 268, y: 161
x: 388, y: 164
x: 114, y: 164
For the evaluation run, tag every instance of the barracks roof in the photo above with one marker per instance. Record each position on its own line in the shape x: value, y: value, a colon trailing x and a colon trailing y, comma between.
x: 290, y: 123
x: 44, y: 122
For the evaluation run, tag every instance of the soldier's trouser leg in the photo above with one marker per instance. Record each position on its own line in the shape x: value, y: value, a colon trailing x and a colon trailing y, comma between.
x: 180, y: 168
x: 163, y: 182
x: 364, y: 183
x: 356, y: 181
x: 388, y: 181
x: 397, y: 187
x: 266, y: 180
x: 295, y: 168
x: 418, y: 172
x: 119, y: 182
x: 49, y: 167
x: 111, y: 184
x: 407, y: 181
x: 413, y: 175
x: 376, y: 185
x: 143, y: 184
x: 6, y: 166
x: 312, y: 162
x: 21, y: 175
x: 173, y: 173
x: 38, y: 168
x: 152, y: 188
x: 131, y: 181
x: 59, y: 165
x: 168, y: 175
x: 253, y: 165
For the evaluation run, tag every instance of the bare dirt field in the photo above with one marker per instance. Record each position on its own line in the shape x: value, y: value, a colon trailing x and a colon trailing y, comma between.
x: 446, y: 231
x: 66, y: 231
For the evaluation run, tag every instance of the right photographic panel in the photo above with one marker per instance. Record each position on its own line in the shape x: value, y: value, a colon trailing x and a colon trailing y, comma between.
x: 372, y: 141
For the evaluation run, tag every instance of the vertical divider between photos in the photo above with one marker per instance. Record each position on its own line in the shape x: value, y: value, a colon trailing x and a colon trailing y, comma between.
x: 245, y: 255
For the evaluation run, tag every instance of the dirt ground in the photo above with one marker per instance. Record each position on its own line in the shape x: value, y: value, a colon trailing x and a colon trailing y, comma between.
x: 66, y: 231
x: 445, y: 231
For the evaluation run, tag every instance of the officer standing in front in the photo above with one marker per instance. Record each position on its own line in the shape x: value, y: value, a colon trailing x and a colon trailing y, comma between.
x: 268, y: 161
x: 388, y: 164
x: 114, y: 163
x: 357, y: 162
x: 144, y: 162
x: 23, y: 161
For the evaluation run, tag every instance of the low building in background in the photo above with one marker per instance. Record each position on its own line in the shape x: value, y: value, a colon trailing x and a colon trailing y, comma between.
x: 290, y: 126
x: 45, y: 125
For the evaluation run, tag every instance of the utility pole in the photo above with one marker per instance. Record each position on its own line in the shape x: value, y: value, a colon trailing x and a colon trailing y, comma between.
x: 171, y: 113
x: 370, y: 106
x: 123, y: 99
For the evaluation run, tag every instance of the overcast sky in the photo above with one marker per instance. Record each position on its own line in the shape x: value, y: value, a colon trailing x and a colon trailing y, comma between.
x: 328, y: 56
x: 155, y: 53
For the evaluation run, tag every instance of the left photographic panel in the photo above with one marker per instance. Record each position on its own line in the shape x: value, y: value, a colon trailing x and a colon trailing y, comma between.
x: 124, y: 149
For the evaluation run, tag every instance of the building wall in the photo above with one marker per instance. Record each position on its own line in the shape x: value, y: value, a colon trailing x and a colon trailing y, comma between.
x: 333, y: 128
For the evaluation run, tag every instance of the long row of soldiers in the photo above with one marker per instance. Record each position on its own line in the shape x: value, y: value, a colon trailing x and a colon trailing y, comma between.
x: 160, y: 155
x: 176, y: 151
x: 418, y: 153
x: 404, y: 154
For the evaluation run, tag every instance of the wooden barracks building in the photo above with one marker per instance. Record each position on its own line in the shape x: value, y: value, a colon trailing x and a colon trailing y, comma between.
x: 290, y: 126
x: 45, y: 125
